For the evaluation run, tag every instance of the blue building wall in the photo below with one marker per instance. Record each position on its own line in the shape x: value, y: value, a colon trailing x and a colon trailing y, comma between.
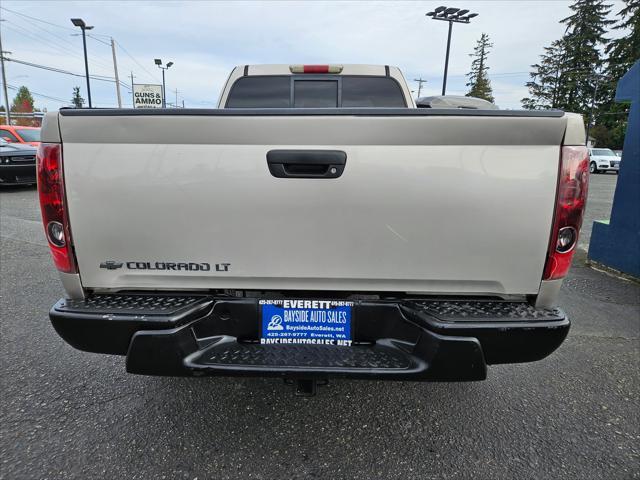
x: 617, y: 243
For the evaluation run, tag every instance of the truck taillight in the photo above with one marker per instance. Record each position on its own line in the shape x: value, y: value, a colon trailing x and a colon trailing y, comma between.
x: 571, y: 199
x: 53, y: 207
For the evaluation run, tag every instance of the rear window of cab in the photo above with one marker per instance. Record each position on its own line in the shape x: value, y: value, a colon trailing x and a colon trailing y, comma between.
x: 312, y: 91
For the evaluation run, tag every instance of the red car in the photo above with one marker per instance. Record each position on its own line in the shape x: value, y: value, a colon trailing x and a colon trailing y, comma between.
x: 18, y: 134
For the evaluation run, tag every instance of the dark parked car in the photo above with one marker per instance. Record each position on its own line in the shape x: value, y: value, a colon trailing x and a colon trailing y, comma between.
x: 17, y: 163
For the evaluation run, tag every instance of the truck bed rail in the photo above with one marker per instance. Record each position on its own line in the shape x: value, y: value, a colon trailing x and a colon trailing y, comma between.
x: 279, y: 112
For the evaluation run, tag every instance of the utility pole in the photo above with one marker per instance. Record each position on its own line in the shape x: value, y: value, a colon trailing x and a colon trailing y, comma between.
x: 133, y: 97
x: 420, y: 82
x: 176, y: 105
x: 593, y: 102
x: 7, y: 113
x: 115, y: 71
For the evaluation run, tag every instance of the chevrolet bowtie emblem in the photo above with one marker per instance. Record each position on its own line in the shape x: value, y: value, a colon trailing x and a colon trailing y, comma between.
x: 111, y: 265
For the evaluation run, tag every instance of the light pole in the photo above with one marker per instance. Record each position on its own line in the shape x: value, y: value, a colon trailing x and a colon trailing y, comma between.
x: 450, y: 15
x: 78, y: 22
x: 159, y: 64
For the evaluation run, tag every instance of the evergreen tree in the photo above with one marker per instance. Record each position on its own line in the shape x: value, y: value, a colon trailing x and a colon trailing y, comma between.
x: 479, y: 83
x: 583, y: 61
x: 77, y: 100
x: 575, y: 61
x: 544, y: 86
x: 23, y: 103
x: 622, y: 53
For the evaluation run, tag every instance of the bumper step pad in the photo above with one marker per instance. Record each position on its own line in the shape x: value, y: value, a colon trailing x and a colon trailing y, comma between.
x: 105, y: 323
x: 386, y: 359
x: 307, y: 356
x: 166, y: 305
x: 485, y: 310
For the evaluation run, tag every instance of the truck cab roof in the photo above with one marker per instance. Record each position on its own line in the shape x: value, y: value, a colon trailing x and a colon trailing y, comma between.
x: 333, y: 68
x: 322, y: 75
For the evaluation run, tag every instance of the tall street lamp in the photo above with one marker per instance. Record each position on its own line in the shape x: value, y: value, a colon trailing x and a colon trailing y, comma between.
x: 450, y: 15
x: 78, y: 22
x: 159, y: 64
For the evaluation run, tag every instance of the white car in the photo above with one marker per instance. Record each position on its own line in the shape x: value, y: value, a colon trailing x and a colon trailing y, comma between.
x: 603, y: 160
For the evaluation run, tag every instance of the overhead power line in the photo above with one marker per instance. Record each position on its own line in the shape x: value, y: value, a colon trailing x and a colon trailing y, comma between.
x: 36, y: 19
x: 13, y: 87
x: 101, y: 78
x: 136, y: 61
x: 103, y: 64
x: 97, y: 39
x: 32, y: 35
x: 55, y: 42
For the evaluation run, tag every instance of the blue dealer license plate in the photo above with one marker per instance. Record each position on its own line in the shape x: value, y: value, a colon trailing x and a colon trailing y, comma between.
x: 315, y: 322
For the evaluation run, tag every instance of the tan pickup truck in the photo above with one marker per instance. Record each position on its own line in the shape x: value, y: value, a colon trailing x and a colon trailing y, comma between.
x: 316, y: 224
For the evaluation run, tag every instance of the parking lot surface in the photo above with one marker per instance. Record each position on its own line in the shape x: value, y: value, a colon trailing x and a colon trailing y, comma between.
x: 69, y: 414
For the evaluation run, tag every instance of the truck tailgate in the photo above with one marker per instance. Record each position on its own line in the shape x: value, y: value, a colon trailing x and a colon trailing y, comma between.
x: 432, y: 202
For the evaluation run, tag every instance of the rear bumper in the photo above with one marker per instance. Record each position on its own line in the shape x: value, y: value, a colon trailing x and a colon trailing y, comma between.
x: 607, y: 167
x: 403, y: 340
x: 17, y: 174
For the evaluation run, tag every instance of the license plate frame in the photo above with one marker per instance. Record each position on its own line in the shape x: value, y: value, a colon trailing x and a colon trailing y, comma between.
x: 306, y: 322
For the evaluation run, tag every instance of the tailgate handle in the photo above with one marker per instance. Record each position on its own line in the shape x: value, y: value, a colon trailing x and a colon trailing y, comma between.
x: 306, y: 163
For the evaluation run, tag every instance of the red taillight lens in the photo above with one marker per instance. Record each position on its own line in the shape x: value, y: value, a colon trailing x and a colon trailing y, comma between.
x: 315, y: 68
x: 52, y: 205
x: 571, y: 199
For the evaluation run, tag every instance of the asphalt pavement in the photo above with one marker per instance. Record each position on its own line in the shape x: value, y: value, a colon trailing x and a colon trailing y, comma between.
x: 69, y: 414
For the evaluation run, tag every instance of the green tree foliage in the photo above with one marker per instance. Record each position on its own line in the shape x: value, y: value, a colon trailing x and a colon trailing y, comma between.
x: 621, y: 53
x: 77, y: 101
x: 479, y: 83
x: 583, y: 60
x: 583, y: 68
x: 566, y: 76
x: 23, y: 103
x: 625, y: 51
x: 545, y: 83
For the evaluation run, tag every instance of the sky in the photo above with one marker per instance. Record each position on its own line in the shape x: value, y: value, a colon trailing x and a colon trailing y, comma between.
x: 206, y: 39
